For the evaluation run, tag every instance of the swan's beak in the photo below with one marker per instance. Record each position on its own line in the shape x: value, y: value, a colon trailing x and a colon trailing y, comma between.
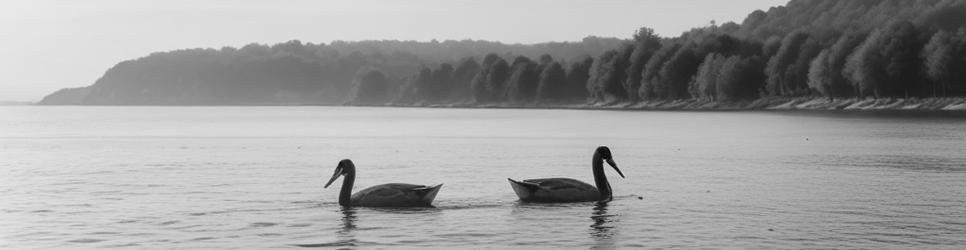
x: 614, y: 165
x: 338, y: 172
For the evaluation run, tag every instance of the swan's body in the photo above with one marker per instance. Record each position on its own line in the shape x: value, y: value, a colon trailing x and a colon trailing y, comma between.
x: 385, y: 195
x: 566, y: 189
x: 554, y: 190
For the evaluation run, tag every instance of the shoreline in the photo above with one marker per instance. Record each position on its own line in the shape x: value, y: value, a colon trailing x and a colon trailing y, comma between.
x: 949, y: 104
x: 946, y: 104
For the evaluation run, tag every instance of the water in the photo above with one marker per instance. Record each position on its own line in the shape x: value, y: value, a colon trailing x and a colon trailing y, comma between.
x: 251, y: 177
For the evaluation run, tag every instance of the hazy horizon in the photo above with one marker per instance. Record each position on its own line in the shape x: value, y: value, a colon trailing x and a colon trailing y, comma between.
x: 59, y: 44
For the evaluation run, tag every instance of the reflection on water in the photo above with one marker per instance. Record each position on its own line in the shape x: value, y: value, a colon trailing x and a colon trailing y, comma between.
x: 603, y: 230
x: 346, y: 234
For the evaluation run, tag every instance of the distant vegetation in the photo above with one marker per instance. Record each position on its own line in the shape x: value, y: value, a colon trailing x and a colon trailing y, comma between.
x: 818, y: 48
x: 299, y: 73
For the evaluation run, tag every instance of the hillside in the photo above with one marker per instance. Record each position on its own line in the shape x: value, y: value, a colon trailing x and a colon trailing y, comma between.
x: 286, y: 73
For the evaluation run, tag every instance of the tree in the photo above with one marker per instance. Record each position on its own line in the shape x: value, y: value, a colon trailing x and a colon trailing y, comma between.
x: 552, y: 84
x: 649, y: 76
x: 463, y: 75
x: 887, y: 63
x: 578, y: 74
x: 837, y: 56
x: 944, y: 62
x: 487, y: 85
x: 523, y: 81
x: 787, y: 54
x: 440, y: 83
x: 820, y: 75
x: 599, y: 73
x: 862, y: 66
x: 740, y: 78
x: 901, y: 51
x: 676, y: 74
x: 646, y: 43
x: 417, y: 87
x: 495, y: 81
x: 704, y: 85
x: 370, y: 87
x: 795, y: 80
x: 543, y: 62
x: 608, y: 73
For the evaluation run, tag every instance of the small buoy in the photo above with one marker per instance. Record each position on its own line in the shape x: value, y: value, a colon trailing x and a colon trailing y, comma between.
x: 707, y: 191
x: 640, y: 197
x: 771, y: 229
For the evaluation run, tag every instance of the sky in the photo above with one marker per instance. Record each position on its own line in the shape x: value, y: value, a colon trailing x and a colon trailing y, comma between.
x: 46, y: 45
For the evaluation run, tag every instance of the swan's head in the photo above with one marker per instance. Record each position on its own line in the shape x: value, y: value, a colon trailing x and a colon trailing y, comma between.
x: 345, y: 166
x: 605, y: 155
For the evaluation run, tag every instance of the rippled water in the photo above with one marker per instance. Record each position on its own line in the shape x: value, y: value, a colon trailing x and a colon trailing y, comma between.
x: 251, y: 177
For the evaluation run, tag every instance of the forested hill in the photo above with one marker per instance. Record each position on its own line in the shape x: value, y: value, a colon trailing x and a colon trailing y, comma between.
x: 830, y: 48
x: 287, y: 73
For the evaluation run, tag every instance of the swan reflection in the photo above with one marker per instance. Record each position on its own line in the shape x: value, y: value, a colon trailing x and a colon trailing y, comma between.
x: 346, y: 235
x: 603, y: 231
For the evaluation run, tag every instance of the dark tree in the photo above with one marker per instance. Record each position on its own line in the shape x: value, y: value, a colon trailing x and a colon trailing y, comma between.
x: 608, y: 74
x: 417, y: 86
x: 887, y: 63
x: 441, y: 80
x: 902, y: 65
x: 795, y: 80
x: 370, y: 87
x: 544, y: 61
x: 649, y: 76
x: 487, y: 85
x: 820, y: 75
x: 552, y: 85
x: 495, y: 81
x: 740, y: 78
x: 521, y: 87
x: 463, y: 77
x: 778, y: 84
x: 578, y: 74
x: 704, y: 84
x: 599, y: 72
x: 646, y: 43
x: 674, y: 77
x: 828, y: 78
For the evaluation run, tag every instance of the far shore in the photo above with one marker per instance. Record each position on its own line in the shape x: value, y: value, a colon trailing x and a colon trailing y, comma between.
x: 946, y: 104
x: 956, y: 104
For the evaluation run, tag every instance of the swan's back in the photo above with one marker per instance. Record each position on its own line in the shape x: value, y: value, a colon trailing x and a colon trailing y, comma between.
x: 554, y: 190
x: 396, y: 195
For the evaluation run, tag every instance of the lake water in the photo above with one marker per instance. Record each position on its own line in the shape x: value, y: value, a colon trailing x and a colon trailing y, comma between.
x: 251, y: 177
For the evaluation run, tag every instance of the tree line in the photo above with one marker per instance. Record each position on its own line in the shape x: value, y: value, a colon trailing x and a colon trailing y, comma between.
x: 852, y: 49
x: 286, y: 73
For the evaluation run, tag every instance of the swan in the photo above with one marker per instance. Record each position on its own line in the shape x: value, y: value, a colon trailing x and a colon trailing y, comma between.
x: 385, y: 195
x: 553, y: 190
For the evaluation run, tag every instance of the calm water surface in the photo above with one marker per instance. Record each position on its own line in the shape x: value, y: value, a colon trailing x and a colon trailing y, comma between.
x: 251, y: 177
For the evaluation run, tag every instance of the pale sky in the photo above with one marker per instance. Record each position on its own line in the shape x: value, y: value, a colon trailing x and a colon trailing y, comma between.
x: 46, y: 45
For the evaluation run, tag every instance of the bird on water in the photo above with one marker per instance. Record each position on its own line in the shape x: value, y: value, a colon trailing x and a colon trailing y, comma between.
x: 385, y: 195
x: 553, y: 190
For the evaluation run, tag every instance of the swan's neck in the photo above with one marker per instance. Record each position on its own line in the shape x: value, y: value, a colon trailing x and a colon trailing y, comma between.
x: 346, y: 192
x: 600, y: 179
